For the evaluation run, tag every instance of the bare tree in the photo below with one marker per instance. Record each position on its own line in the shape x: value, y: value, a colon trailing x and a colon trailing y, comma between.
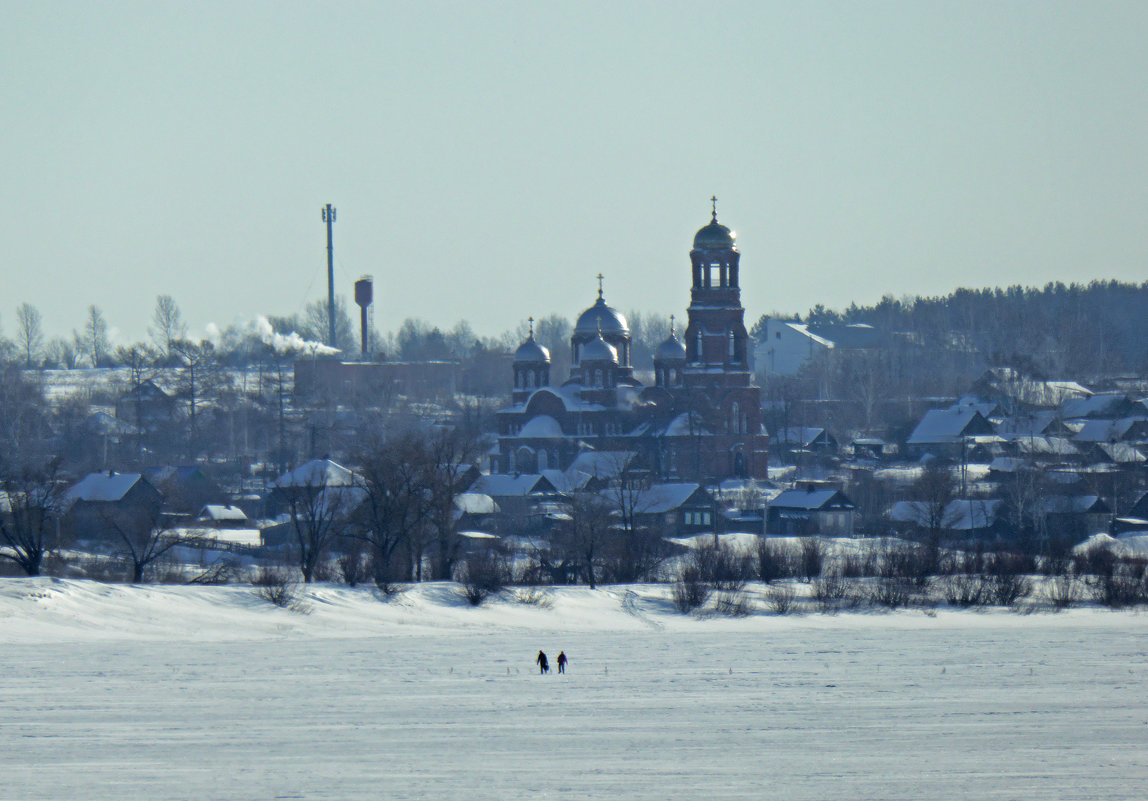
x: 62, y: 352
x: 29, y: 332
x: 138, y: 359
x: 200, y: 378
x: 932, y: 493
x: 316, y: 327
x: 30, y: 510
x: 449, y: 452
x: 589, y: 532
x: 397, y: 501
x: 167, y: 326
x: 139, y: 538
x: 95, y: 336
x: 319, y: 516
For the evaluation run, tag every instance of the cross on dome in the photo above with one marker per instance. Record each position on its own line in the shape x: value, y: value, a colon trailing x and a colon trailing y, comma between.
x: 600, y: 277
x: 713, y: 200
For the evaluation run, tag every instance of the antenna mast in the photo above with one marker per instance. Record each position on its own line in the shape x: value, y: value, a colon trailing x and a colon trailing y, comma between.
x: 329, y: 218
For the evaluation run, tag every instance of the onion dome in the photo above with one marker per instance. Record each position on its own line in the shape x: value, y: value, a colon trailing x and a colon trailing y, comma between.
x: 530, y: 350
x: 601, y: 318
x: 599, y: 350
x: 672, y: 350
x: 715, y: 235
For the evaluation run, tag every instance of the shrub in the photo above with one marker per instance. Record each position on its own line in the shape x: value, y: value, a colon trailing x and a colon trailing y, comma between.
x: 1123, y: 585
x: 773, y: 561
x: 483, y: 575
x: 1007, y: 588
x: 690, y: 590
x: 833, y: 591
x: 533, y: 597
x: 278, y: 586
x: 966, y: 590
x: 722, y: 567
x: 351, y: 568
x: 892, y: 592
x: 1062, y: 591
x: 781, y: 598
x: 812, y: 558
x: 733, y: 604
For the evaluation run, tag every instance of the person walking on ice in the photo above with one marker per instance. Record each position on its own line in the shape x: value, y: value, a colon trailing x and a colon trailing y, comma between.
x: 562, y: 661
x: 543, y: 663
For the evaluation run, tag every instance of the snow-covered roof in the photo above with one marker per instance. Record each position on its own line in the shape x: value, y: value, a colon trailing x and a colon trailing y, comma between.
x: 1006, y: 464
x: 803, y: 436
x: 317, y: 473
x: 247, y: 537
x: 1072, y: 504
x: 681, y: 426
x: 945, y: 426
x: 478, y: 535
x: 958, y: 515
x: 662, y: 498
x: 499, y: 485
x: 1099, y: 405
x: 1120, y: 453
x: 1030, y: 425
x: 1107, y: 430
x: 811, y: 500
x: 106, y: 486
x: 219, y: 512
x: 972, y: 403
x: 543, y: 426
x: 1046, y: 446
x: 475, y: 503
x: 567, y: 481
x: 603, y: 464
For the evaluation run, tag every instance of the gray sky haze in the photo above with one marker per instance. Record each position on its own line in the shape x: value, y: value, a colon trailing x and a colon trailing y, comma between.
x: 489, y: 159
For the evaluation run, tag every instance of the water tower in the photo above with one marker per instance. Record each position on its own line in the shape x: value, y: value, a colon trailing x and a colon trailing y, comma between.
x: 364, y: 294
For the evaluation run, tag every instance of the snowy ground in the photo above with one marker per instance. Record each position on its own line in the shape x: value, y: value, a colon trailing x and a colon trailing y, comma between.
x: 112, y: 692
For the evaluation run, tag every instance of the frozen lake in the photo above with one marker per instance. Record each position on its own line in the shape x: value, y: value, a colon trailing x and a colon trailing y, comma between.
x: 904, y: 706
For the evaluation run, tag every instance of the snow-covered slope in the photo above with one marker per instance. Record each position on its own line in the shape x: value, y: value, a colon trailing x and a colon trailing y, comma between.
x: 132, y: 693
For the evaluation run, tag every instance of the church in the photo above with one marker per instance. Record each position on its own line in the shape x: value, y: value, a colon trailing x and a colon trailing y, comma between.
x: 700, y: 421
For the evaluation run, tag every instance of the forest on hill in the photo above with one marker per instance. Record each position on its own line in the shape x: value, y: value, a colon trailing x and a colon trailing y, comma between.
x: 1086, y: 331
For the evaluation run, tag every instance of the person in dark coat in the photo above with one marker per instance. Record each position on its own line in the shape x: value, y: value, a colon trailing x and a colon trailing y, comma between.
x: 562, y: 661
x: 543, y: 663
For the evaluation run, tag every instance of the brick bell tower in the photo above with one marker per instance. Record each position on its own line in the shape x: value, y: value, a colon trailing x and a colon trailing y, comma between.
x: 717, y: 365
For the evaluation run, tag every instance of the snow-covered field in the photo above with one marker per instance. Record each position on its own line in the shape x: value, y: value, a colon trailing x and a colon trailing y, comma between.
x: 114, y: 692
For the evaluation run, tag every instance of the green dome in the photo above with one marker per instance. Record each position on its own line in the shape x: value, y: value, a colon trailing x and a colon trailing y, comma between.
x: 714, y: 236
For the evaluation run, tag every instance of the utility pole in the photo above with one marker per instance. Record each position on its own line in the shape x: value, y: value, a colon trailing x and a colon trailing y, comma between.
x: 329, y: 218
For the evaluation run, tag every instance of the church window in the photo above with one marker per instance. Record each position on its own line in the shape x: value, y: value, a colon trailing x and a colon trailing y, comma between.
x: 699, y: 358
x: 530, y: 379
x: 597, y: 378
x: 732, y: 346
x: 734, y: 416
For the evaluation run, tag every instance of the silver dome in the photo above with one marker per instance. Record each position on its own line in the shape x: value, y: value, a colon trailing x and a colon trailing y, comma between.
x: 601, y: 317
x: 598, y: 350
x: 672, y: 350
x: 531, y: 351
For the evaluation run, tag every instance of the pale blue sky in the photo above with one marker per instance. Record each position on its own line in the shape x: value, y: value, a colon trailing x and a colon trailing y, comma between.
x: 488, y: 159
